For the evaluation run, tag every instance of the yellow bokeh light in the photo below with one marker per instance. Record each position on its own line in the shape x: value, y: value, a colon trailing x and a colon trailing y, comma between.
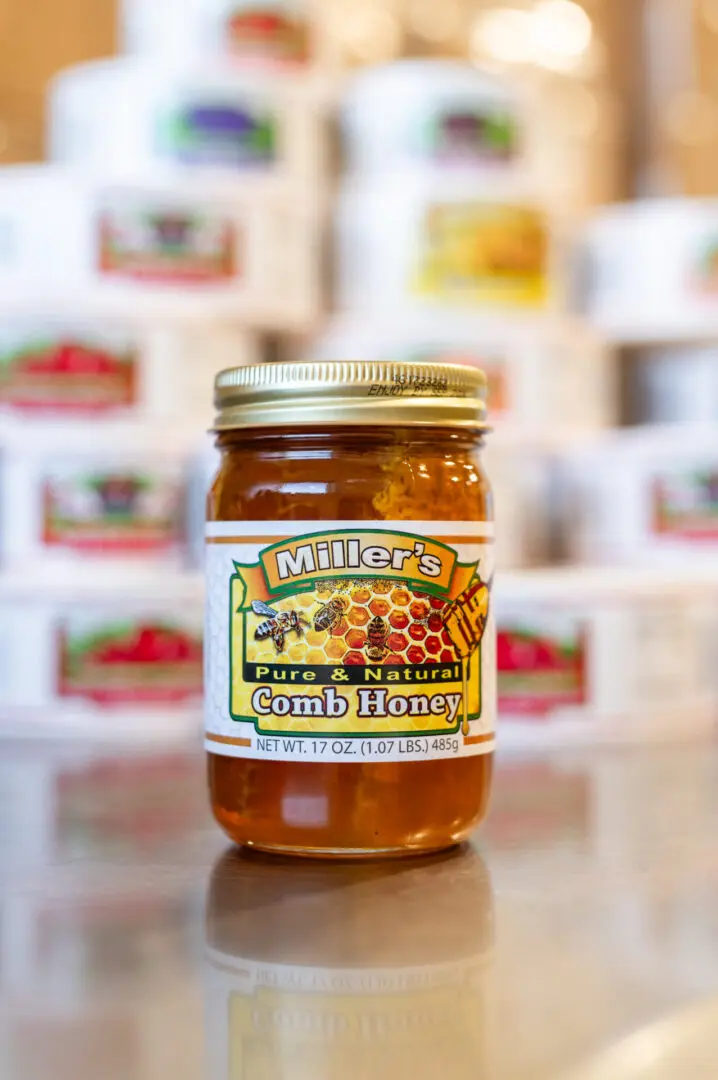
x: 368, y: 33
x: 435, y: 21
x: 709, y: 14
x: 561, y: 34
x: 502, y: 34
x: 692, y: 119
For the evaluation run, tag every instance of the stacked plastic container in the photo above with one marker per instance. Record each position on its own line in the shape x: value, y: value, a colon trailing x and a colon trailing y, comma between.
x: 444, y: 250
x: 623, y: 643
x: 650, y: 287
x: 637, y: 507
x: 177, y: 219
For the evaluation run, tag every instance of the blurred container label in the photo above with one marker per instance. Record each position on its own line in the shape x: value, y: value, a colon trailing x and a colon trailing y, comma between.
x: 469, y: 135
x: 112, y: 511
x: 685, y: 505
x: 167, y: 246
x: 705, y: 274
x: 265, y: 34
x: 482, y: 253
x: 542, y: 662
x: 67, y: 376
x: 112, y: 661
x: 220, y: 134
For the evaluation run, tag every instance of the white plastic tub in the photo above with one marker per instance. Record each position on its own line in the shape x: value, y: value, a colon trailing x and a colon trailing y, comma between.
x: 56, y: 370
x: 74, y: 496
x: 149, y: 248
x: 520, y: 475
x: 650, y: 269
x: 266, y: 32
x: 542, y: 375
x: 643, y: 496
x: 126, y: 115
x: 101, y: 656
x: 436, y: 113
x: 427, y: 240
x: 677, y: 385
x: 610, y: 655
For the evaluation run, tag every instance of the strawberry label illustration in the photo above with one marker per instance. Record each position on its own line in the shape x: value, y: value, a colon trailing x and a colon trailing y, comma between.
x: 265, y: 34
x: 220, y: 134
x: 68, y: 376
x: 374, y: 634
x: 685, y: 505
x: 112, y: 512
x: 541, y: 664
x: 138, y: 661
x: 479, y: 253
x: 472, y: 136
x: 167, y: 246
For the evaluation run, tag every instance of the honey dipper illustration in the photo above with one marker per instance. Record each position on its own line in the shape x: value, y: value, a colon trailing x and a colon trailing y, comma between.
x: 465, y: 622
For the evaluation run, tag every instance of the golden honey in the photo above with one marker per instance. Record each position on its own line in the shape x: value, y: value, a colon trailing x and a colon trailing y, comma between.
x: 350, y: 639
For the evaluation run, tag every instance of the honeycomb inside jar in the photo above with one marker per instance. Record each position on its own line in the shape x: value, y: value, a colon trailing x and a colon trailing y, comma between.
x: 353, y: 474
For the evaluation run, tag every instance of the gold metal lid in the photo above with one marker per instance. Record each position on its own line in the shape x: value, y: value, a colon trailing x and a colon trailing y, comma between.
x: 351, y: 392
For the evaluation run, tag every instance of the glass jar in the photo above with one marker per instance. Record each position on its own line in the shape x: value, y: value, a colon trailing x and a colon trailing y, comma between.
x: 350, y: 646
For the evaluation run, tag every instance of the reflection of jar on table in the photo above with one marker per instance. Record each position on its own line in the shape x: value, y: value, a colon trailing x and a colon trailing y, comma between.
x: 351, y: 971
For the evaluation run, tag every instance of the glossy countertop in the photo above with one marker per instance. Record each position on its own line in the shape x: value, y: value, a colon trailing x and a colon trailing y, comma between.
x: 135, y: 943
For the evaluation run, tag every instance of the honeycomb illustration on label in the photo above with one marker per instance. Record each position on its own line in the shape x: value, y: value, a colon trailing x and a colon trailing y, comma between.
x: 376, y: 622
x: 373, y: 623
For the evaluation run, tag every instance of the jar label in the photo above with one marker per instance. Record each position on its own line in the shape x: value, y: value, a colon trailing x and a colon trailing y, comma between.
x: 68, y: 375
x: 350, y: 641
x: 482, y: 253
x: 470, y: 135
x: 704, y: 277
x: 542, y: 660
x: 685, y: 505
x: 132, y: 660
x: 222, y: 134
x: 260, y: 33
x: 163, y: 245
x: 112, y: 511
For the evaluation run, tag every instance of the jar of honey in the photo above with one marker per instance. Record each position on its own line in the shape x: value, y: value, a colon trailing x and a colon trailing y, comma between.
x: 350, y: 645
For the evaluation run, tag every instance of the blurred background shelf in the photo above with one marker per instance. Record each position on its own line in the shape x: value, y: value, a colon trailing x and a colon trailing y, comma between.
x: 522, y: 186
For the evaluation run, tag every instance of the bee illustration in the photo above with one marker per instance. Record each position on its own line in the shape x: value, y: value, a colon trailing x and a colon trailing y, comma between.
x: 330, y: 613
x: 278, y: 624
x: 377, y: 632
